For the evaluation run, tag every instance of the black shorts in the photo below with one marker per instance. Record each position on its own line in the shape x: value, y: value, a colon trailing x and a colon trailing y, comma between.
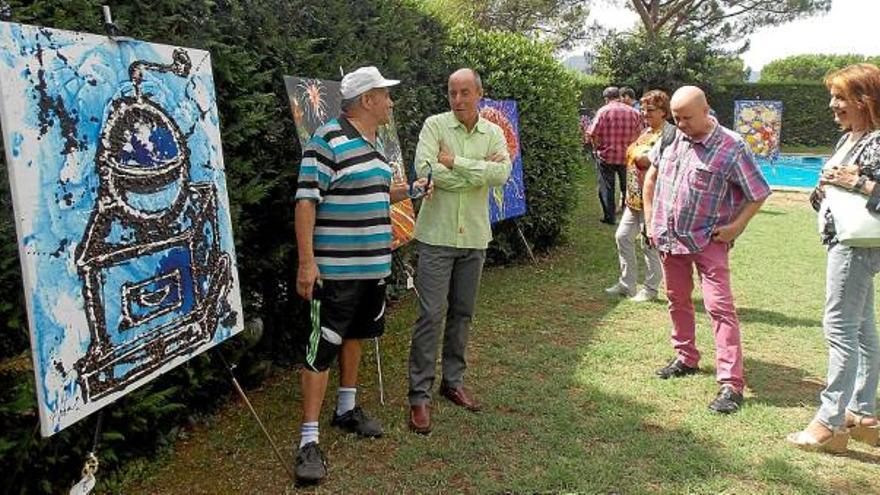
x: 342, y: 309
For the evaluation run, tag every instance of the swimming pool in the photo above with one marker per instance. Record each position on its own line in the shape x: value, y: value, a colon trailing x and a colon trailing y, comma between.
x: 792, y: 171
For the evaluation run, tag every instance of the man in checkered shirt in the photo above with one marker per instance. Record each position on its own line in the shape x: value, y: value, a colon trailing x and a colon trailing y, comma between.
x: 614, y: 128
x: 699, y: 195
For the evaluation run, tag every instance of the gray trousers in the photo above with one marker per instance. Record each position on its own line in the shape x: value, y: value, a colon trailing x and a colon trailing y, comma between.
x: 627, y: 233
x: 447, y: 282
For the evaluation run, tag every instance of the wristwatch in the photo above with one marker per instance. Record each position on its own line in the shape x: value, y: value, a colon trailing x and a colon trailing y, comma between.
x: 860, y: 183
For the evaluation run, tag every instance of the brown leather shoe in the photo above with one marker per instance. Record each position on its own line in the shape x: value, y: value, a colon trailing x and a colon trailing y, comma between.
x: 459, y: 397
x: 420, y: 419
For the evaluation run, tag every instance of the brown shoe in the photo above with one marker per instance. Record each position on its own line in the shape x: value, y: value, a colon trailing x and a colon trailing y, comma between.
x: 459, y: 397
x: 420, y: 419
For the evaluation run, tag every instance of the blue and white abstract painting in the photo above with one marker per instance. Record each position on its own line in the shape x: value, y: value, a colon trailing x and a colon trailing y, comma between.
x: 117, y: 177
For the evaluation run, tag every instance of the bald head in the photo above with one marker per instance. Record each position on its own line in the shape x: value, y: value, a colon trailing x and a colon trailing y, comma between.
x: 690, y: 109
x: 467, y: 75
x: 689, y: 95
x: 464, y: 91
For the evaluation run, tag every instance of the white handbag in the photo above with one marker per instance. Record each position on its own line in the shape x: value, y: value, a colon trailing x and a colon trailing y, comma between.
x: 855, y: 225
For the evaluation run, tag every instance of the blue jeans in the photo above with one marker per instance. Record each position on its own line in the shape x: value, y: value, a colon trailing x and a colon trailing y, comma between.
x: 853, y: 355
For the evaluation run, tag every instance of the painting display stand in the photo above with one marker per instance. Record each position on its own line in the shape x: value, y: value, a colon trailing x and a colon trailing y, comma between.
x: 525, y: 243
x: 85, y: 485
x: 253, y: 412
x: 379, y: 371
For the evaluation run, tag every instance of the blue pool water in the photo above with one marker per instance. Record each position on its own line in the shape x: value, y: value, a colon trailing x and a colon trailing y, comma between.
x: 792, y: 170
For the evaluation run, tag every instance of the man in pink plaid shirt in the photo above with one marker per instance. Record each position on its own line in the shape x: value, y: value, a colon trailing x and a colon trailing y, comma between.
x: 699, y: 195
x: 615, y: 126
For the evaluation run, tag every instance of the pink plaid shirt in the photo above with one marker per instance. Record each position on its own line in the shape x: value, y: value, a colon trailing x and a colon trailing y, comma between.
x: 701, y: 185
x: 616, y: 125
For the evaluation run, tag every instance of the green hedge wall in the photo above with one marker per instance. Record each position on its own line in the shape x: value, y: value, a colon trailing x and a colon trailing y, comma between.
x: 806, y: 119
x: 254, y: 43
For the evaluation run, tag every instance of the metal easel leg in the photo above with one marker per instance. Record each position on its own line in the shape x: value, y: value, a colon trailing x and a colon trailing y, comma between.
x: 379, y: 371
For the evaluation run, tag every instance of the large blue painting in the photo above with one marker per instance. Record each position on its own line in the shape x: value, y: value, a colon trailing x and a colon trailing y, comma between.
x: 508, y: 201
x: 120, y: 202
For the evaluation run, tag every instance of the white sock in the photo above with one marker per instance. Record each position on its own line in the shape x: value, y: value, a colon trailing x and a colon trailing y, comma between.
x: 308, y: 433
x: 345, y: 400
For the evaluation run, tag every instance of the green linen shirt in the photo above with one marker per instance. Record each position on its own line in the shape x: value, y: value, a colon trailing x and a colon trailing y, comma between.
x: 457, y: 213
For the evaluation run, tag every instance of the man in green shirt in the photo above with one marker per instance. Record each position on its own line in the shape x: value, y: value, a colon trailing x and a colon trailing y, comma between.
x: 466, y: 155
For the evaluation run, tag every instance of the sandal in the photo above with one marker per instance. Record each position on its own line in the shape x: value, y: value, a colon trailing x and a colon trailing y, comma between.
x: 835, y: 444
x: 859, y: 431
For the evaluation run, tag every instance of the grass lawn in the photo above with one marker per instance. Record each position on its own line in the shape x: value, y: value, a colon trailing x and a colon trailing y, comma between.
x: 570, y: 402
x: 808, y: 150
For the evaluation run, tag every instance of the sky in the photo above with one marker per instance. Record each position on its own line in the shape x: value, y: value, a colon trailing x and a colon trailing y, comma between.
x: 850, y: 27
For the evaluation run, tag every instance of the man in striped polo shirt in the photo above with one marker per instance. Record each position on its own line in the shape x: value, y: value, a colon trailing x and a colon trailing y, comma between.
x: 343, y: 233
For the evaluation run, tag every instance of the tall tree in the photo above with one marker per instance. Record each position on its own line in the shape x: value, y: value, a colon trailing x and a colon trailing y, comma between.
x: 560, y: 22
x: 719, y: 21
x: 636, y: 60
x: 809, y: 67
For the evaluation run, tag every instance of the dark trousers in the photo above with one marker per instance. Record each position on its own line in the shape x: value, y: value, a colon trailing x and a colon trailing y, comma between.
x: 605, y: 175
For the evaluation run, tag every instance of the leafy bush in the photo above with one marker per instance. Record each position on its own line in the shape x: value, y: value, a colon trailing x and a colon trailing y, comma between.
x: 635, y: 60
x: 809, y: 68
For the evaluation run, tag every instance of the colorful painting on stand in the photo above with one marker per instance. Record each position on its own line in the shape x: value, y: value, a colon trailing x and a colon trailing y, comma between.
x: 760, y: 124
x: 508, y: 201
x: 313, y: 102
x: 118, y: 186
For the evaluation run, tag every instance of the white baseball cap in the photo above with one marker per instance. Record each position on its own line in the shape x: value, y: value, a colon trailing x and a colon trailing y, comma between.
x: 362, y: 80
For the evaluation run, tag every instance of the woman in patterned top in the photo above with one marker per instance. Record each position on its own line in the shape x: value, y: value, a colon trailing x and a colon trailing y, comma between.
x: 655, y: 111
x: 848, y: 401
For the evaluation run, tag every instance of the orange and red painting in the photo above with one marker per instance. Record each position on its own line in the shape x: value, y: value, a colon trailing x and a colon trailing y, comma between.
x: 508, y: 201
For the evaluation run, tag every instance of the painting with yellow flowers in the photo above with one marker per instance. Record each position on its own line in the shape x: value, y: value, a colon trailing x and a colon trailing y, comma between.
x: 760, y: 124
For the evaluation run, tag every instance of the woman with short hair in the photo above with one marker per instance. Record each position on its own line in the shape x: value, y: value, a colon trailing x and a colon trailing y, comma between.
x: 655, y: 111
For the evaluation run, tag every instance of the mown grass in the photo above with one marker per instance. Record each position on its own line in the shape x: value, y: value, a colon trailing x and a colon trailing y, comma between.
x: 807, y: 150
x: 570, y: 403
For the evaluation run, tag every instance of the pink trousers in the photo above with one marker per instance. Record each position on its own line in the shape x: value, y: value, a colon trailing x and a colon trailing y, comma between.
x: 712, y: 265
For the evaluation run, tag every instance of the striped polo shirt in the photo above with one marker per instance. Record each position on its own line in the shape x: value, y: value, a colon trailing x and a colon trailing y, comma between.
x: 351, y: 182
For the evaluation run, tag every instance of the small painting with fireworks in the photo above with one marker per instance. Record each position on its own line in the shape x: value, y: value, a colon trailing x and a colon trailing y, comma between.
x: 508, y: 201
x: 314, y: 102
x: 760, y: 123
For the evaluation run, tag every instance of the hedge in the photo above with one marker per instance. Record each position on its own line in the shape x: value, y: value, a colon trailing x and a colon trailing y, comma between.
x: 254, y: 43
x: 806, y: 119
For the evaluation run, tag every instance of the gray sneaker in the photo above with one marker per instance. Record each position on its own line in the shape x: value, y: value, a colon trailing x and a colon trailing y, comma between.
x: 310, y: 465
x: 728, y: 401
x: 644, y: 295
x: 618, y: 290
x: 356, y: 421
